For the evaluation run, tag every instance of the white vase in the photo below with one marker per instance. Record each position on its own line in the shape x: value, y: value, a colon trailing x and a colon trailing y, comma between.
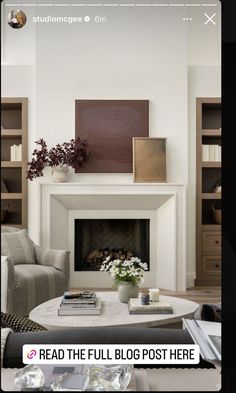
x: 127, y: 290
x: 60, y: 174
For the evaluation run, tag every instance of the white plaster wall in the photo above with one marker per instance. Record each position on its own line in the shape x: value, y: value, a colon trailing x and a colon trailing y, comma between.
x: 129, y: 57
x: 204, y: 39
x: 203, y: 81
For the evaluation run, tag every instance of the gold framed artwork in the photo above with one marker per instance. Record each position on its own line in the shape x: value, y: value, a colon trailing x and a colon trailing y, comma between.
x: 149, y: 160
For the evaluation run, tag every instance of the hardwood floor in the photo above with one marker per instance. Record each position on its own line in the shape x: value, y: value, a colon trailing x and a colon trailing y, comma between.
x: 197, y: 294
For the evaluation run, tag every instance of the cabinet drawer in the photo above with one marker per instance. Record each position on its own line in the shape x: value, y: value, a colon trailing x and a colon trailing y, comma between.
x: 211, y: 242
x: 211, y: 264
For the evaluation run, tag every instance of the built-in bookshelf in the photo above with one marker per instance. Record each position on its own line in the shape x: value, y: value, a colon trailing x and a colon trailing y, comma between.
x: 208, y: 197
x: 14, y: 154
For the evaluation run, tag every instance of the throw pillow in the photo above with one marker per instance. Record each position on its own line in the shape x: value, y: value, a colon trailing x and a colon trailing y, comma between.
x: 211, y: 312
x: 18, y: 246
x: 208, y: 312
x: 19, y: 323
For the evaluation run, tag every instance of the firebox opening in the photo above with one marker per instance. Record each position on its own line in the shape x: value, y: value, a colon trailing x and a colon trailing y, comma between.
x: 95, y: 239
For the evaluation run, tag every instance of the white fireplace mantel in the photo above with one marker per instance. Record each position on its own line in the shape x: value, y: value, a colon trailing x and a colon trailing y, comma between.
x: 163, y: 203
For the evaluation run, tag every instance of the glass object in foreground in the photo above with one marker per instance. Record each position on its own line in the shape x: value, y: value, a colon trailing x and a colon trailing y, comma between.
x: 109, y: 377
x: 70, y: 382
x: 30, y: 377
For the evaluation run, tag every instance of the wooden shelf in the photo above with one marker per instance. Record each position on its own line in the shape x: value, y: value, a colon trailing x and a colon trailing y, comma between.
x: 11, y: 195
x: 14, y: 119
x: 211, y: 132
x: 208, y: 175
x: 211, y: 164
x: 214, y: 227
x: 11, y: 164
x: 211, y: 195
x: 11, y: 133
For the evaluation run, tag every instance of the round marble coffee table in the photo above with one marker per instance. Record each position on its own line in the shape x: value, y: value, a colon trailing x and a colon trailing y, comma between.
x: 113, y: 313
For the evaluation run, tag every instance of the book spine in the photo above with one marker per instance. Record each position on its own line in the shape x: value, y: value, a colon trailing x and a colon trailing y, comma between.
x: 11, y: 153
x: 17, y: 153
x: 78, y: 312
x: 212, y: 152
x: 205, y: 153
x: 78, y: 301
x: 72, y: 306
x: 19, y: 148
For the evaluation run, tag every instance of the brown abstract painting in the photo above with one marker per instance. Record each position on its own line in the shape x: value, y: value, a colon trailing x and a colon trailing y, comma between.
x: 149, y: 159
x: 109, y: 127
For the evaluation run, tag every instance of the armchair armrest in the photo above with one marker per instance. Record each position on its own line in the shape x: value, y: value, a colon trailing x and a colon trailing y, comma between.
x: 59, y: 259
x: 7, y: 284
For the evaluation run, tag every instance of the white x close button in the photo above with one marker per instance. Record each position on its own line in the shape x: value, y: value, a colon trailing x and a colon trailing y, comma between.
x: 210, y: 19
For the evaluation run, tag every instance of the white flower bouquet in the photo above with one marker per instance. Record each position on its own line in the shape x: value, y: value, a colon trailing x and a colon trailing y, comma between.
x: 125, y: 270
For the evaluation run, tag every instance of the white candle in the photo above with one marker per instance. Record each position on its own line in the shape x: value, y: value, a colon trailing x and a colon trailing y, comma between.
x: 154, y: 295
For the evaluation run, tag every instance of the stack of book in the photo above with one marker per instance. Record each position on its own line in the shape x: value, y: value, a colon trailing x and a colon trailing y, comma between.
x: 80, y: 303
x: 211, y: 153
x: 135, y: 307
x: 16, y: 153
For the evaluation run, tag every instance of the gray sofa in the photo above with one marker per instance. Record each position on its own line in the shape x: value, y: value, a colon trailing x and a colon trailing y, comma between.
x: 43, y: 276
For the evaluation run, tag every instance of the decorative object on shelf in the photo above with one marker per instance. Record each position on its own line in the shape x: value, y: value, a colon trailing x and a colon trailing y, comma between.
x: 144, y: 297
x: 3, y: 186
x: 4, y: 214
x: 216, y: 215
x: 154, y: 294
x: 68, y: 154
x: 127, y: 275
x: 217, y: 188
x: 109, y: 126
x: 149, y: 159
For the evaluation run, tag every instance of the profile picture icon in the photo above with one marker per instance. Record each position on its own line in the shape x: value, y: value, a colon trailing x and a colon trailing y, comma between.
x: 16, y: 19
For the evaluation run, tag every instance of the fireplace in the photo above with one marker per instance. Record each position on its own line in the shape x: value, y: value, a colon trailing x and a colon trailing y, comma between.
x: 163, y: 205
x: 95, y: 239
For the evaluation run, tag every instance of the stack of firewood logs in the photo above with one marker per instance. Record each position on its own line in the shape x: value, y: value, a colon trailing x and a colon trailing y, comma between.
x: 96, y: 257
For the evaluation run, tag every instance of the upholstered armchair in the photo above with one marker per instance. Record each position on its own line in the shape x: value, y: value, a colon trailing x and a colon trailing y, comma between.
x: 30, y: 274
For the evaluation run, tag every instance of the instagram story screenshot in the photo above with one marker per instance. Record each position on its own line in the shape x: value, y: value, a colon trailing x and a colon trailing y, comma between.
x: 111, y: 195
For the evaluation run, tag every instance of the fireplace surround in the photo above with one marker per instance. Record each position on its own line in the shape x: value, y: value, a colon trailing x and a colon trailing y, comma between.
x: 163, y: 204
